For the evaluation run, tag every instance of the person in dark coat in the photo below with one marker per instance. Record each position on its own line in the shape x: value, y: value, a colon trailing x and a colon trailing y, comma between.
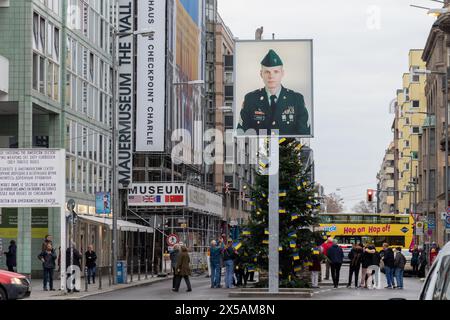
x: 48, y: 239
x: 355, y: 256
x: 76, y: 260
x: 11, y: 256
x: 173, y: 262
x: 48, y: 258
x: 91, y: 265
x: 183, y: 270
x: 336, y: 256
x: 422, y: 263
x: 388, y: 261
x: 316, y: 266
x: 399, y: 264
x: 369, y: 258
x: 415, y: 261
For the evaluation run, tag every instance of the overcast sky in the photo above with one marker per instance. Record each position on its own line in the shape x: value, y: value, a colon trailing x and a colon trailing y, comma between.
x: 359, y: 61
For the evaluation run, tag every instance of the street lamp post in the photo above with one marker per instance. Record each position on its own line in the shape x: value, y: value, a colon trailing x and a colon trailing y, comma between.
x: 115, y: 186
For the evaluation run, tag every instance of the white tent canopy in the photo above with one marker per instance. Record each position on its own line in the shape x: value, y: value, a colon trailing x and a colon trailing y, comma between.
x: 122, y: 225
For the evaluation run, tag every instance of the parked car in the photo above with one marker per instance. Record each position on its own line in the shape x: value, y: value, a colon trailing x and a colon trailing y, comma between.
x: 13, y: 286
x: 346, y: 248
x: 437, y: 282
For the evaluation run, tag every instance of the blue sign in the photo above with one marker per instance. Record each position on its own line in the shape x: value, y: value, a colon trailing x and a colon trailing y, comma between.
x: 404, y: 229
x: 431, y: 224
x: 103, y: 203
x: 447, y: 222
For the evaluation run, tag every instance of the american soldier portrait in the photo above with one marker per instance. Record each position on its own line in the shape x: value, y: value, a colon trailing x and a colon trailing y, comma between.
x: 274, y: 107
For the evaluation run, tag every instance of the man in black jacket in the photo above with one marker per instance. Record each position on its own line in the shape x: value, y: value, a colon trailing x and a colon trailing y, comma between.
x: 388, y: 261
x: 355, y: 257
x: 91, y: 258
x: 336, y: 256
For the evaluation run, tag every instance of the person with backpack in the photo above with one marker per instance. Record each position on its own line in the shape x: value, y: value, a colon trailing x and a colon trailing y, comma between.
x: 229, y: 255
x: 355, y: 256
x: 399, y: 265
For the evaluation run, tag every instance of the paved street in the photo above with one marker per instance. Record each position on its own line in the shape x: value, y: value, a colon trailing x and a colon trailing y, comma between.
x: 202, y: 291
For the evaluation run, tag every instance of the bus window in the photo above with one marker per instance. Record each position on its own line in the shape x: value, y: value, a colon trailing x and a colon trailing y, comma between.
x: 371, y: 219
x: 340, y: 218
x: 387, y: 220
x: 355, y: 219
x: 326, y: 219
x: 403, y: 220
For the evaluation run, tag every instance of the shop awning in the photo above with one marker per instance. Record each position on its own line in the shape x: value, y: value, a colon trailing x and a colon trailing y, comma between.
x: 122, y: 225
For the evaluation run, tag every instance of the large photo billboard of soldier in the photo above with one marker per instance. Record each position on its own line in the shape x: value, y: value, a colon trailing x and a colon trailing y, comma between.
x: 274, y: 88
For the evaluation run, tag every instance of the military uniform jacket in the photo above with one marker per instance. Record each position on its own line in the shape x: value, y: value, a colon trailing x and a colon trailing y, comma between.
x: 291, y: 116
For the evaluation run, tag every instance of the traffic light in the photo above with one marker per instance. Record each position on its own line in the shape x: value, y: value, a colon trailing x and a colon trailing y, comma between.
x: 369, y: 195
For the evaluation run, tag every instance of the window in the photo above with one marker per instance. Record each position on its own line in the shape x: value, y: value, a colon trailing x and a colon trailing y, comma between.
x: 56, y: 83
x: 35, y: 71
x: 56, y: 44
x: 50, y: 79
x: 41, y: 74
x: 414, y: 155
x: 432, y: 146
x: 50, y: 43
x: 415, y: 103
x: 35, y: 31
x: 42, y: 34
x: 442, y: 280
x: 415, y: 130
x: 91, y: 67
x: 406, y: 143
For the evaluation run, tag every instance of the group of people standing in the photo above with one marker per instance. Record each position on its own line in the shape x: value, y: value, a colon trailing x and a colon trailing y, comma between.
x: 50, y: 259
x: 366, y: 259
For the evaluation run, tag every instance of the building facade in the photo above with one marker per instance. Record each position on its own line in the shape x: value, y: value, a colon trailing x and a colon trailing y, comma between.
x: 385, y: 179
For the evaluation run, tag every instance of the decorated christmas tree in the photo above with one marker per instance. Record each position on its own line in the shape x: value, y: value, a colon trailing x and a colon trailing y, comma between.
x: 297, y: 204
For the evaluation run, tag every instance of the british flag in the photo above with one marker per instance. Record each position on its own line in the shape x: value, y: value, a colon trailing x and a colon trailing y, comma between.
x: 153, y: 199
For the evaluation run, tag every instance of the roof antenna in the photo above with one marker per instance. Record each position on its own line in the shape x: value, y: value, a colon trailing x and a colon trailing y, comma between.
x: 273, y: 36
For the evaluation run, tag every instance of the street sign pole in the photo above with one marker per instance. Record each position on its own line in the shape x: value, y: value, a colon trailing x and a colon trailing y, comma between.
x: 273, y: 215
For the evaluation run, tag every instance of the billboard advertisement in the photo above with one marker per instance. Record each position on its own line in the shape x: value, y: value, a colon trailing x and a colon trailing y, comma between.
x: 205, y: 201
x: 125, y: 92
x: 274, y: 88
x: 32, y: 177
x: 151, y: 79
x: 157, y: 194
x: 188, y: 67
x: 103, y: 203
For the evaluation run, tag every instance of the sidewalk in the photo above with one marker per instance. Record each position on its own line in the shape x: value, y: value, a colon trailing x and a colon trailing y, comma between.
x: 38, y: 294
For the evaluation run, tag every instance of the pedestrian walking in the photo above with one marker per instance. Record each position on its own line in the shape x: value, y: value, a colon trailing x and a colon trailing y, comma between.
x: 388, y: 262
x: 316, y: 267
x: 240, y: 271
x: 215, y: 261
x: 399, y: 264
x: 11, y: 256
x: 422, y: 263
x: 336, y: 256
x: 229, y: 254
x: 355, y: 256
x: 173, y: 262
x: 183, y: 269
x: 48, y: 258
x: 415, y: 261
x: 325, y: 246
x: 91, y: 265
x: 369, y: 258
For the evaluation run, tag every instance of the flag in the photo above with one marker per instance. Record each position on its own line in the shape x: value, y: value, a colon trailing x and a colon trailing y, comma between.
x: 265, y: 241
x: 316, y: 252
x: 281, y: 211
x: 282, y: 194
x: 293, y: 234
x: 237, y: 245
x: 135, y: 199
x: 280, y: 248
x: 309, y: 206
x: 266, y: 231
x: 152, y: 199
x: 293, y: 244
x: 174, y: 199
x: 250, y: 269
x: 246, y: 233
x: 264, y: 194
x: 297, y: 268
x: 294, y: 216
x: 296, y: 256
x: 282, y: 140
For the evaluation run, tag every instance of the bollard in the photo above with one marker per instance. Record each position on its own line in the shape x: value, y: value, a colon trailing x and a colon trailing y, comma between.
x: 146, y: 269
x: 100, y: 278
x: 86, y: 278
x: 109, y: 275
x: 139, y: 269
x: 131, y: 271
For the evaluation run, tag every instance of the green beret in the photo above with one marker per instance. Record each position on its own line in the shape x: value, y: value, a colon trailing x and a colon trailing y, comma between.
x: 271, y: 59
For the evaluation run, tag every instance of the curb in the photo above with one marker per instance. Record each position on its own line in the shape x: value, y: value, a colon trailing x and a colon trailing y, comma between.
x: 103, y: 291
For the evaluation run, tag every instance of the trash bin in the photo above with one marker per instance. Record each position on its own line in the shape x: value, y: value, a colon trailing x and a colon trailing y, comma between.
x: 121, y: 271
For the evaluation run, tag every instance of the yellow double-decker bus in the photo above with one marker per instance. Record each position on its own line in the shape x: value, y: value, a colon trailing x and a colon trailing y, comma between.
x: 369, y: 228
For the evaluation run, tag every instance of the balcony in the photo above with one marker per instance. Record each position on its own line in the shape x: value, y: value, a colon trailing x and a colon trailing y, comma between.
x: 4, y: 79
x: 430, y: 121
x: 389, y: 170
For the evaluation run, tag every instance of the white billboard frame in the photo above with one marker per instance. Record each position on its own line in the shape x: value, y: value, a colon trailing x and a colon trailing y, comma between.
x: 61, y: 154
